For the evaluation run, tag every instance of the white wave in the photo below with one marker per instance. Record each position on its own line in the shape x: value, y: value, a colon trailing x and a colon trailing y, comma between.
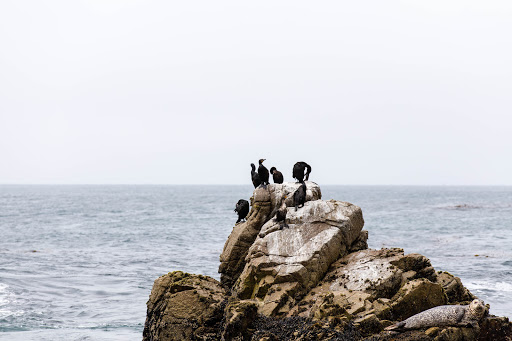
x: 4, y: 293
x: 504, y: 286
x: 6, y: 299
x: 482, y: 285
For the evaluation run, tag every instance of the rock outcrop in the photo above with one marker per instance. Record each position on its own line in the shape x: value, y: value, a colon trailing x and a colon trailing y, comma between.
x: 284, y: 263
x: 265, y: 202
x: 314, y: 279
x: 184, y: 307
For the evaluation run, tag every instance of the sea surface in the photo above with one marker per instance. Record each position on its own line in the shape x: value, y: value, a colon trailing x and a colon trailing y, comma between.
x: 78, y: 262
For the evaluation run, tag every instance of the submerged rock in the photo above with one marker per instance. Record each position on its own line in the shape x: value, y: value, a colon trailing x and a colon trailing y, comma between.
x: 315, y: 279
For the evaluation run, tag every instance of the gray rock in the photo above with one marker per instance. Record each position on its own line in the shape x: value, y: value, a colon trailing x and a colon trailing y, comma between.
x: 265, y: 202
x: 371, y: 271
x: 372, y: 282
x: 318, y: 234
x: 278, y: 191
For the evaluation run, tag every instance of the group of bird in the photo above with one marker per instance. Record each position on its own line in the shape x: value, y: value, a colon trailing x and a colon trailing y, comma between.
x: 260, y: 178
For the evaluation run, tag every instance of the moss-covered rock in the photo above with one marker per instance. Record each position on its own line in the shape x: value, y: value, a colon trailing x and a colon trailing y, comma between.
x: 183, y: 307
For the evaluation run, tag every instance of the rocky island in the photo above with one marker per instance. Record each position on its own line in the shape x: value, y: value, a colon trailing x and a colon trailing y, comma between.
x: 313, y: 279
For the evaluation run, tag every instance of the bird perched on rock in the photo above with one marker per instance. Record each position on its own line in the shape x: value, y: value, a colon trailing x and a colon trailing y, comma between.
x: 299, y: 196
x: 254, y: 176
x: 276, y: 175
x: 263, y: 173
x: 242, y: 208
x: 298, y: 171
x: 281, y: 214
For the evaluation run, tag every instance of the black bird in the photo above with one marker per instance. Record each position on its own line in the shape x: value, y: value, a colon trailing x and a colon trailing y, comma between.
x: 299, y: 196
x: 263, y: 173
x: 281, y: 214
x: 242, y: 208
x: 276, y: 175
x: 254, y: 176
x: 298, y: 171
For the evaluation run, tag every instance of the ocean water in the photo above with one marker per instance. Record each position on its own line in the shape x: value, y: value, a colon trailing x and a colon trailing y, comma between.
x: 78, y: 262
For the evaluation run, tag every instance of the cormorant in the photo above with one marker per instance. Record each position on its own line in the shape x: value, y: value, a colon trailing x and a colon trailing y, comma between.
x: 263, y: 173
x: 242, y: 208
x: 298, y: 171
x: 299, y: 196
x: 254, y: 176
x: 276, y: 175
x: 281, y: 214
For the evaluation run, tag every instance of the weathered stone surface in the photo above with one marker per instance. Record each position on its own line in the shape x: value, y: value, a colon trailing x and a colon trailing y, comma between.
x: 370, y: 282
x: 495, y: 328
x: 368, y: 324
x: 371, y: 271
x: 265, y: 202
x: 278, y: 191
x: 232, y: 259
x: 326, y: 306
x: 456, y: 334
x: 412, y: 262
x: 432, y: 331
x: 184, y: 307
x: 361, y: 243
x: 416, y: 296
x: 453, y: 287
x: 301, y: 253
x: 239, y: 317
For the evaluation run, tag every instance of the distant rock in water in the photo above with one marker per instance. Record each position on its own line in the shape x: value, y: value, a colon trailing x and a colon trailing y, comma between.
x: 314, y: 280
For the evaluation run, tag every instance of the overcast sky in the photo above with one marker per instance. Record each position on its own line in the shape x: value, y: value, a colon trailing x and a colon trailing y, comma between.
x: 192, y: 92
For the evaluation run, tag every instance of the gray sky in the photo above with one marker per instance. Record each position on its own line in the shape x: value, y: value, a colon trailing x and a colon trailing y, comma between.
x: 172, y: 92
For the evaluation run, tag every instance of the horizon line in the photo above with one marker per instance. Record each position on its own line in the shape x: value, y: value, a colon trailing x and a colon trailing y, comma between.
x: 224, y: 184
